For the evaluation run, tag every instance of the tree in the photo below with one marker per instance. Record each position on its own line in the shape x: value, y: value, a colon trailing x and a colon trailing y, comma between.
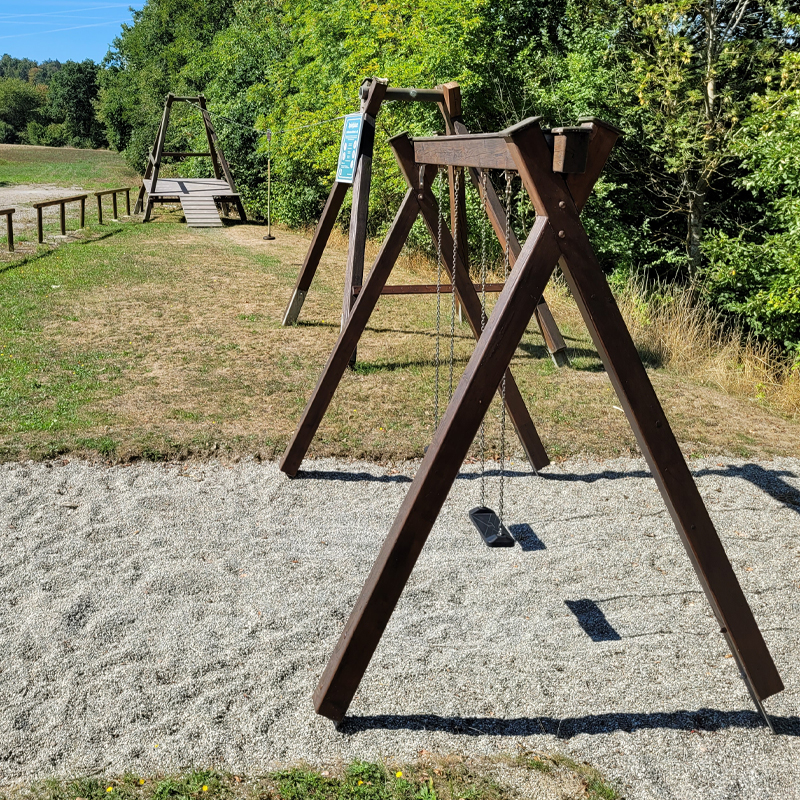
x: 72, y: 94
x: 20, y: 103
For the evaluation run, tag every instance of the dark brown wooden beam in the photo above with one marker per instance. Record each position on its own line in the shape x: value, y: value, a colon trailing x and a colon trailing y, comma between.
x: 436, y: 475
x: 315, y: 251
x: 431, y: 288
x: 351, y: 332
x: 476, y: 150
x: 647, y: 419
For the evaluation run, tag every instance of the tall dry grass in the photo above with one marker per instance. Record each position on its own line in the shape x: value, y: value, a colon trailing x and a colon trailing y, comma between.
x: 674, y: 331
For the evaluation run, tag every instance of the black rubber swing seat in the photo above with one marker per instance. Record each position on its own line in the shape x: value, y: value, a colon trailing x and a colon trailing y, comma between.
x: 492, y: 531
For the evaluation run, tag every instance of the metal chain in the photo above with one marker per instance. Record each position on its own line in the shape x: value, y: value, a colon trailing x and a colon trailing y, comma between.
x: 483, y: 326
x: 503, y: 382
x: 455, y: 214
x: 438, y: 300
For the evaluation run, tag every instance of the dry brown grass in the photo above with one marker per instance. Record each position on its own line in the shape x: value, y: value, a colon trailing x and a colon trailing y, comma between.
x: 186, y: 325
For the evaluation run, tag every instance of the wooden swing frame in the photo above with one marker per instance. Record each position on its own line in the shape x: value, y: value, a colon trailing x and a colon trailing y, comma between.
x: 557, y: 237
x: 222, y: 188
x: 374, y: 92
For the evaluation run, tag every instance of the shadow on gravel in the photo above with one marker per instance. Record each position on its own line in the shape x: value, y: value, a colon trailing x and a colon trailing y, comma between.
x: 593, y: 620
x: 338, y: 475
x: 768, y: 480
x: 526, y: 537
x: 704, y: 719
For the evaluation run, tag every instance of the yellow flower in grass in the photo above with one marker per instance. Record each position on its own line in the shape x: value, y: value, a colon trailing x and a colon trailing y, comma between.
x: 398, y: 774
x: 205, y: 788
x: 109, y: 788
x: 141, y: 781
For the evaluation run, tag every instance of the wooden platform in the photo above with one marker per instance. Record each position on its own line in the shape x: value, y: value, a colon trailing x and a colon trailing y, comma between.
x: 182, y: 187
x: 196, y: 196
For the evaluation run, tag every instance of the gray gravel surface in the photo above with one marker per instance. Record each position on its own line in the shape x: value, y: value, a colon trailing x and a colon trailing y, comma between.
x: 157, y: 617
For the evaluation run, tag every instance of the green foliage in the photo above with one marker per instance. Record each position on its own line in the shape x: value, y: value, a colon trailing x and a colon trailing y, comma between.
x: 20, y: 103
x: 755, y: 274
x: 677, y: 76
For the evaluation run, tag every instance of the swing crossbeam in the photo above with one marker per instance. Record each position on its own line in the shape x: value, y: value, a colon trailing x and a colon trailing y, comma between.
x: 432, y: 288
x: 557, y: 237
x: 569, y: 147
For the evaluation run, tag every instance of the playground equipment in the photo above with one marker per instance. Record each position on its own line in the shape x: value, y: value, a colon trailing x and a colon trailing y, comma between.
x: 374, y: 92
x: 198, y: 196
x: 558, y: 169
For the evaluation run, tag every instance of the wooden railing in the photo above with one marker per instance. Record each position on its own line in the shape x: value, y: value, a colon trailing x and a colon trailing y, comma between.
x: 9, y: 213
x: 78, y: 198
x: 113, y: 193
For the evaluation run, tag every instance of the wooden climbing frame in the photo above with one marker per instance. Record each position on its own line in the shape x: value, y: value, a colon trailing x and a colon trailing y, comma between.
x: 374, y: 92
x: 543, y: 160
x: 197, y: 196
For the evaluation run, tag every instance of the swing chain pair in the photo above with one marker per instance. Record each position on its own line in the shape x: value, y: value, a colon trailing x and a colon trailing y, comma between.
x: 439, y: 262
x: 506, y: 263
x: 438, y: 301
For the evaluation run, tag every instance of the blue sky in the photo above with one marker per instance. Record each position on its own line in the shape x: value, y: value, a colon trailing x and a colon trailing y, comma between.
x: 61, y: 29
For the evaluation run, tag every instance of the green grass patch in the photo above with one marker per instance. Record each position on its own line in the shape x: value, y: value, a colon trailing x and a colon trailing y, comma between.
x: 64, y: 166
x: 450, y: 778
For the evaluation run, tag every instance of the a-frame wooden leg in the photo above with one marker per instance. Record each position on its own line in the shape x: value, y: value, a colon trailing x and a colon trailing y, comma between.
x: 418, y: 200
x: 647, y: 419
x: 315, y: 251
x: 348, y: 339
x: 470, y: 303
x: 437, y: 473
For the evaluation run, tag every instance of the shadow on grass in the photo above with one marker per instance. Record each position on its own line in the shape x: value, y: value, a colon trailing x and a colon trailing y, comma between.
x: 47, y: 249
x: 703, y: 719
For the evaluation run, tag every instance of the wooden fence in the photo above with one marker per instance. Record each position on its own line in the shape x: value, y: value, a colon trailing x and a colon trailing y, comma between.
x: 78, y: 198
x: 9, y: 214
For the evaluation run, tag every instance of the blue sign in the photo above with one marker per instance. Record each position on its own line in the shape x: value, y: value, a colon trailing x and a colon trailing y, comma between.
x: 348, y: 152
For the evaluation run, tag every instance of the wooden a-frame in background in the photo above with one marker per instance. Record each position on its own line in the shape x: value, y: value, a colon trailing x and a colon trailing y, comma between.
x: 198, y: 196
x: 557, y: 237
x: 374, y: 92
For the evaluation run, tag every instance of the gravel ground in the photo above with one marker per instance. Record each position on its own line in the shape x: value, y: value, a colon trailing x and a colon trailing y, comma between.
x: 156, y: 617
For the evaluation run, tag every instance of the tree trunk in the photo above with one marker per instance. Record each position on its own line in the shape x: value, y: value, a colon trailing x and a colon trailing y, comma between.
x: 694, y: 238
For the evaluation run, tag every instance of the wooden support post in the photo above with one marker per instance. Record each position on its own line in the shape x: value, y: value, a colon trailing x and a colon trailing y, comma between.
x: 159, y: 148
x: 210, y: 139
x: 83, y: 213
x: 114, y: 206
x: 315, y: 251
x: 595, y: 300
x: 63, y: 218
x: 351, y: 332
x: 354, y: 271
x: 99, y: 209
x: 39, y: 226
x: 127, y: 202
x: 9, y: 215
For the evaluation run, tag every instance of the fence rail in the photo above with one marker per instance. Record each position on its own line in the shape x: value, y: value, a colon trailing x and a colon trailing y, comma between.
x: 113, y: 193
x: 9, y: 214
x: 78, y: 198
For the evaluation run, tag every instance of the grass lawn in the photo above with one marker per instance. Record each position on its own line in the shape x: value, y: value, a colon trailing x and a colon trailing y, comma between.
x: 160, y: 341
x: 452, y: 778
x: 64, y: 166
